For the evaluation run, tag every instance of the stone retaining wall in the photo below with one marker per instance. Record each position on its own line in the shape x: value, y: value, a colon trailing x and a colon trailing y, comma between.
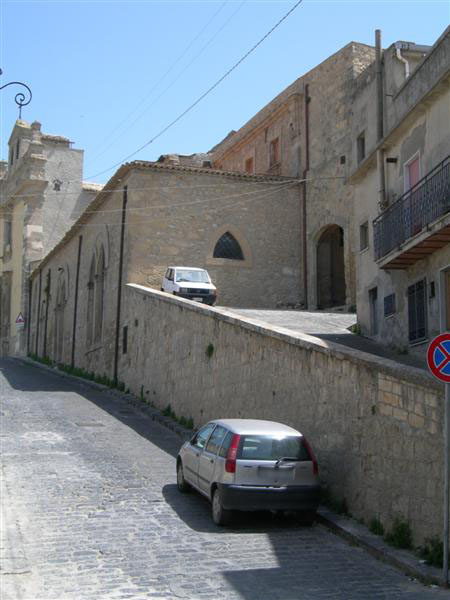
x: 376, y: 425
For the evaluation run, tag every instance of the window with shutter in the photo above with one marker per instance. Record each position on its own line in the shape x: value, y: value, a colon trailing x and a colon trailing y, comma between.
x: 417, y: 311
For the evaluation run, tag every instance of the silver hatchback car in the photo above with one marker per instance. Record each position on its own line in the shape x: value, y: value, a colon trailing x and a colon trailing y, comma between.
x: 247, y: 464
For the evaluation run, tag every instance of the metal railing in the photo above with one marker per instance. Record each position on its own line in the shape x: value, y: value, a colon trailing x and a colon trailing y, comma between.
x: 425, y: 202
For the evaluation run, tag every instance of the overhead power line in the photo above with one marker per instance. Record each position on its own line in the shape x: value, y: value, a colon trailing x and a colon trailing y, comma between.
x: 119, y: 190
x: 200, y: 98
x: 160, y: 80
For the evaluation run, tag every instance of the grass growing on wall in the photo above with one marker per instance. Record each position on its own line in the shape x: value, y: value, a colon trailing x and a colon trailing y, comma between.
x: 79, y: 372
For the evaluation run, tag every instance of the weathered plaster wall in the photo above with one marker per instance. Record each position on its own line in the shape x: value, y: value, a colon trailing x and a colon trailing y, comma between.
x: 329, y: 105
x: 428, y: 136
x: 376, y: 426
x: 173, y: 217
x: 45, y: 214
x: 176, y: 218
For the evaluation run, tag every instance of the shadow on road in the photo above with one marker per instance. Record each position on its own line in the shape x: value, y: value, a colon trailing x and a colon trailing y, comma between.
x: 195, y: 510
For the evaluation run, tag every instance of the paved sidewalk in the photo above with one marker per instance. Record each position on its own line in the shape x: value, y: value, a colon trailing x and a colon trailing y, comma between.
x: 330, y: 326
x: 94, y: 513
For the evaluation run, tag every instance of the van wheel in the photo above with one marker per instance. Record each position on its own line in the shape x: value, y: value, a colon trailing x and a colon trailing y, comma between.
x: 182, y: 485
x: 220, y: 515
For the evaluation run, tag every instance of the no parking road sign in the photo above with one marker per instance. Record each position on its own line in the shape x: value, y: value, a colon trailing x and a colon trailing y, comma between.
x: 439, y: 357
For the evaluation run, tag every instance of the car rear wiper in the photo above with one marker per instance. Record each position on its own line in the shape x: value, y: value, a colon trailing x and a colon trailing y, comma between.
x: 284, y: 458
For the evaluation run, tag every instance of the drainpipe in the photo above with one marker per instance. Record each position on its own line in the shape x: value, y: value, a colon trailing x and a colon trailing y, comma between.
x: 74, y: 330
x: 119, y: 281
x: 380, y: 118
x: 38, y: 313
x: 398, y: 53
x: 379, y: 84
x: 28, y: 320
x: 47, y: 294
x: 304, y: 215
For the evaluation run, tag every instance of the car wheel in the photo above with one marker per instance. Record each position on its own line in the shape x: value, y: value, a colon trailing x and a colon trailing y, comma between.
x: 306, y: 517
x: 220, y: 515
x: 182, y: 485
x: 162, y: 289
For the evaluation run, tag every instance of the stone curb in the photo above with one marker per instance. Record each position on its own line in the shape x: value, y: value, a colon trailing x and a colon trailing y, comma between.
x: 359, y: 535
x: 345, y: 527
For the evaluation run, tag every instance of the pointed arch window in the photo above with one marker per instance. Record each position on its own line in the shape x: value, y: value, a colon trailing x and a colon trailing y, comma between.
x: 90, y: 305
x: 96, y: 298
x: 59, y: 319
x: 228, y: 247
x: 99, y: 294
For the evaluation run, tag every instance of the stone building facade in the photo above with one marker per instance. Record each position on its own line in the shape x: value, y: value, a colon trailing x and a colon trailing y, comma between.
x: 304, y: 133
x: 402, y: 196
x: 41, y: 195
x: 173, y: 215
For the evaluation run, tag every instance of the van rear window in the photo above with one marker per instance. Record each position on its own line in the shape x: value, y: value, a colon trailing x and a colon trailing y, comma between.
x: 267, y: 447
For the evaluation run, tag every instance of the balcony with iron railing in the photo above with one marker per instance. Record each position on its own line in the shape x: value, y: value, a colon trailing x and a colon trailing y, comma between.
x: 415, y: 224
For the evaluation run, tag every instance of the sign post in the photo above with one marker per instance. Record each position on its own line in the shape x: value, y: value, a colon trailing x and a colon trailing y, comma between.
x: 438, y: 358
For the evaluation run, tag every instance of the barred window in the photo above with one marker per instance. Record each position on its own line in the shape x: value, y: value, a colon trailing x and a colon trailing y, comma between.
x: 228, y: 247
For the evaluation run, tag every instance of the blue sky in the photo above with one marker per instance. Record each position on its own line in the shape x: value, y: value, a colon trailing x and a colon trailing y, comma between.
x: 111, y: 74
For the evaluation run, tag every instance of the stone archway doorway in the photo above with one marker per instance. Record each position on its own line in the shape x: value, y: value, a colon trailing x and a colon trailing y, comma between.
x: 331, y: 268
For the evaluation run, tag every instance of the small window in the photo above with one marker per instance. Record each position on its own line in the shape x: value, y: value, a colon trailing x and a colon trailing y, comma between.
x: 417, y: 311
x: 11, y: 156
x: 228, y: 247
x: 364, y: 236
x: 201, y: 437
x: 249, y: 166
x: 274, y: 152
x: 216, y: 439
x: 170, y: 274
x: 7, y: 233
x: 17, y: 149
x: 389, y: 305
x: 361, y: 146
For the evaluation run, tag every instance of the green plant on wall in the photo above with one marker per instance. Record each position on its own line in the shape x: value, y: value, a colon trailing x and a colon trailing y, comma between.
x: 400, y: 536
x: 376, y: 526
x: 432, y: 552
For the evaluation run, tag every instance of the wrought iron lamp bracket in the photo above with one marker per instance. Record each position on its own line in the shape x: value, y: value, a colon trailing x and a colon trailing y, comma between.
x: 20, y: 98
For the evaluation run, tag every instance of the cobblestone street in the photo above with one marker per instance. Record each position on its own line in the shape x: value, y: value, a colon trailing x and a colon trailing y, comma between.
x: 91, y: 511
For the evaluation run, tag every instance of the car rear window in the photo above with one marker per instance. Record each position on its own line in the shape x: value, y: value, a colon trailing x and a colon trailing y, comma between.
x: 267, y: 447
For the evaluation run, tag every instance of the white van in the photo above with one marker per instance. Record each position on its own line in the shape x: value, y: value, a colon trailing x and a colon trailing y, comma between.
x: 190, y: 283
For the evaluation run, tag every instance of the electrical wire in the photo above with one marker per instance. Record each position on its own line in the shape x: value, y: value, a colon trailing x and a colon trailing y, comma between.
x: 232, y: 205
x: 187, y: 204
x: 186, y: 68
x: 202, y: 96
x: 160, y: 80
x: 174, y: 187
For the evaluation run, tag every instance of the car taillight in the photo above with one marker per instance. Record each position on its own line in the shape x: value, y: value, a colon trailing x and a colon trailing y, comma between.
x: 311, y: 456
x: 230, y: 463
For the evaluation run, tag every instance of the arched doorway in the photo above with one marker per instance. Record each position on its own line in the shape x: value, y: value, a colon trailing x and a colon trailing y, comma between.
x: 330, y: 268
